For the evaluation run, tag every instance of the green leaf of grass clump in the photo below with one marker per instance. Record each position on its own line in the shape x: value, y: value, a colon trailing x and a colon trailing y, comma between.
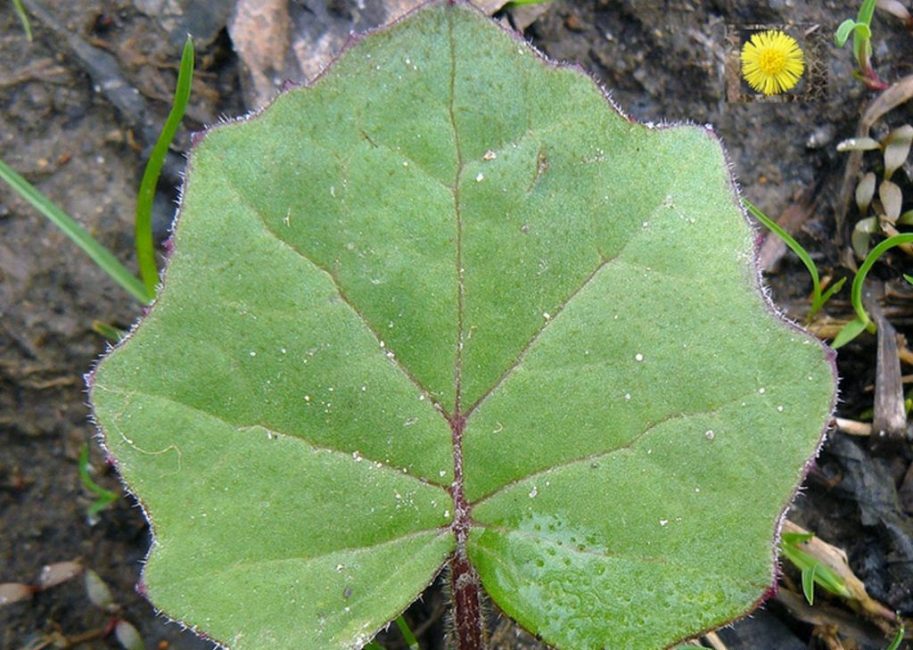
x: 447, y: 300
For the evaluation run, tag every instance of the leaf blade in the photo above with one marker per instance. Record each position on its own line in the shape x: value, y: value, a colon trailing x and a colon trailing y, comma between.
x: 271, y: 298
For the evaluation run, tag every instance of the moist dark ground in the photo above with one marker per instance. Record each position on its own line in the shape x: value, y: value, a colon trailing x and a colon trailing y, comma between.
x: 662, y: 61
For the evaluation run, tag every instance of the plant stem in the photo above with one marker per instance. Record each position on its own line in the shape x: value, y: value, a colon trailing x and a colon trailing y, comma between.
x: 465, y: 587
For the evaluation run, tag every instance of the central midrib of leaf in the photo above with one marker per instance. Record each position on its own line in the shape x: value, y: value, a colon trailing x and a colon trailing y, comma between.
x: 457, y: 421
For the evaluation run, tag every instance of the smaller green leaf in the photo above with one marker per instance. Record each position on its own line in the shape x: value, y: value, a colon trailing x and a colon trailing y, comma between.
x: 865, y: 190
x: 866, y: 11
x: 891, y: 199
x: 896, y: 149
x: 808, y: 583
x: 843, y: 32
x: 831, y: 290
x: 849, y: 332
x: 908, y: 277
x: 862, y: 31
x: 796, y: 538
x: 861, y: 237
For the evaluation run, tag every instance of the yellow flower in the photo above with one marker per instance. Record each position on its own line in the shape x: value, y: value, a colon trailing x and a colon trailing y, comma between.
x: 772, y: 62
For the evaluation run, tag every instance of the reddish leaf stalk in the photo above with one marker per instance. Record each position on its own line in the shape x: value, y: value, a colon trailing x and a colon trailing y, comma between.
x: 465, y: 588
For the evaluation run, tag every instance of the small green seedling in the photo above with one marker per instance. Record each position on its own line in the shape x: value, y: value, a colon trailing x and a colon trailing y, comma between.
x: 103, y: 496
x: 819, y: 296
x: 861, y: 31
x: 862, y: 322
x: 23, y: 19
x: 145, y: 252
x: 143, y: 290
x: 428, y: 312
x: 813, y: 572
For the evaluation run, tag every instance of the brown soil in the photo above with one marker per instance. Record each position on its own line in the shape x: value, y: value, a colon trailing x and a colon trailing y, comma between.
x: 664, y: 60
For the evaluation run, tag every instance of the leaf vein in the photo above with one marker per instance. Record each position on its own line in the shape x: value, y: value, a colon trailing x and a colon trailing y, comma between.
x: 604, y: 261
x: 400, y: 471
x: 337, y: 286
x: 608, y: 452
x: 253, y: 562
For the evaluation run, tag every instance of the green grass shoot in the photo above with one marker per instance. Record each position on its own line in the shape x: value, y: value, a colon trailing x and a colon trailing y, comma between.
x: 813, y: 571
x: 819, y: 298
x: 898, y: 638
x: 79, y: 235
x: 861, y: 29
x: 145, y: 250
x: 405, y: 630
x: 103, y: 497
x: 108, y: 331
x: 862, y: 321
x: 409, y: 637
x: 23, y: 18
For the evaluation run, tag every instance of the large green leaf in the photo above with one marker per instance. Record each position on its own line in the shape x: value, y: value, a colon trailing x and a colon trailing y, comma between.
x: 447, y: 254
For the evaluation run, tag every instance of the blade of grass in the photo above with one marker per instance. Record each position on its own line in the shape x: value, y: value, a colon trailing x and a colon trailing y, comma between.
x: 145, y: 252
x: 862, y: 321
x: 23, y: 18
x: 103, y: 497
x: 404, y: 629
x: 818, y: 299
x: 898, y: 638
x: 108, y: 331
x: 79, y: 235
x: 808, y: 583
x: 813, y: 571
x: 871, y: 258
